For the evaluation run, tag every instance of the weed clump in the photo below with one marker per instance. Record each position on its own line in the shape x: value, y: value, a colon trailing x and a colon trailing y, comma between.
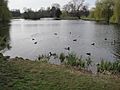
x: 107, y: 66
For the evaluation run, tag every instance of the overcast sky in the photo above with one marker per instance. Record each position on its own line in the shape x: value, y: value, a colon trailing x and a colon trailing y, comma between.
x: 36, y: 4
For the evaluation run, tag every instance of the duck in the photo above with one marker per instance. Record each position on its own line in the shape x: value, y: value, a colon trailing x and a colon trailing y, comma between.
x: 68, y: 48
x: 52, y: 54
x: 89, y: 54
x: 93, y: 44
x: 35, y: 43
x: 105, y: 38
x: 55, y: 34
x: 75, y: 40
x: 33, y: 39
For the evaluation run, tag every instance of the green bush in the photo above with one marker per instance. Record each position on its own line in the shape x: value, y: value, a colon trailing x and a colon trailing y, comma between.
x: 62, y: 57
x: 81, y: 63
x: 72, y: 59
x: 88, y: 62
x: 112, y: 67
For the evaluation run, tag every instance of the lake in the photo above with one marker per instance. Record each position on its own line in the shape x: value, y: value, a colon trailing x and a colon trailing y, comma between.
x: 29, y: 39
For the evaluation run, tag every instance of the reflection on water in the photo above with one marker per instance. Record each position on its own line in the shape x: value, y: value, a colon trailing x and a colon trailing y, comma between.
x: 116, y: 43
x: 29, y: 39
x: 4, y: 36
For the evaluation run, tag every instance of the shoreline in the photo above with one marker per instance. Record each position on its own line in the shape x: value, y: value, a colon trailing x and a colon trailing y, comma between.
x: 73, y: 18
x: 25, y: 75
x: 77, y: 63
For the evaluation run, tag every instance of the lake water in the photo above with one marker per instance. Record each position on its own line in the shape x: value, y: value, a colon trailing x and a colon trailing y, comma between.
x: 54, y: 36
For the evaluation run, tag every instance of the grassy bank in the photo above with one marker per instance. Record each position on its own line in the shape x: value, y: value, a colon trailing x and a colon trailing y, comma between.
x: 19, y: 74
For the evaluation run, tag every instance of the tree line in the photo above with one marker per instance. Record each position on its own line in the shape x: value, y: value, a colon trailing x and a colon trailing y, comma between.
x: 54, y: 11
x: 28, y: 13
x: 107, y: 10
x: 74, y: 8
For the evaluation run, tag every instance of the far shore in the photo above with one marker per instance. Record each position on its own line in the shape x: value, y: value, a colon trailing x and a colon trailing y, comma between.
x: 73, y: 18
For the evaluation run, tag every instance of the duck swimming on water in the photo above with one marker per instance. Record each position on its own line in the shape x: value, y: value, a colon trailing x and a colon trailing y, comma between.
x: 68, y: 48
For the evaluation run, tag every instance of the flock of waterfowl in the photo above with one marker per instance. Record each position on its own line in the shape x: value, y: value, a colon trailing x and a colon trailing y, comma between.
x: 68, y: 48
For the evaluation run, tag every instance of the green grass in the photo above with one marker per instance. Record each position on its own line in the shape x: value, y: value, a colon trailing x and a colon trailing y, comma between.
x: 78, y: 62
x: 19, y: 74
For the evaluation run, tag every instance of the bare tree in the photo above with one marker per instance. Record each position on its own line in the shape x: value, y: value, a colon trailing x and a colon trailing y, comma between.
x: 66, y: 8
x: 56, y: 5
x: 78, y: 4
x: 74, y: 7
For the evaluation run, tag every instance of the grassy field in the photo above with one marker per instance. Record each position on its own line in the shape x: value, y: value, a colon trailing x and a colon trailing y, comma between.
x: 21, y: 74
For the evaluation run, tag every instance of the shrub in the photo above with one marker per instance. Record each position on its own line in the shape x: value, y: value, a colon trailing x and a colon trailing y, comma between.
x: 62, y: 57
x: 81, y: 63
x: 72, y: 59
x: 88, y: 62
x: 112, y: 67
